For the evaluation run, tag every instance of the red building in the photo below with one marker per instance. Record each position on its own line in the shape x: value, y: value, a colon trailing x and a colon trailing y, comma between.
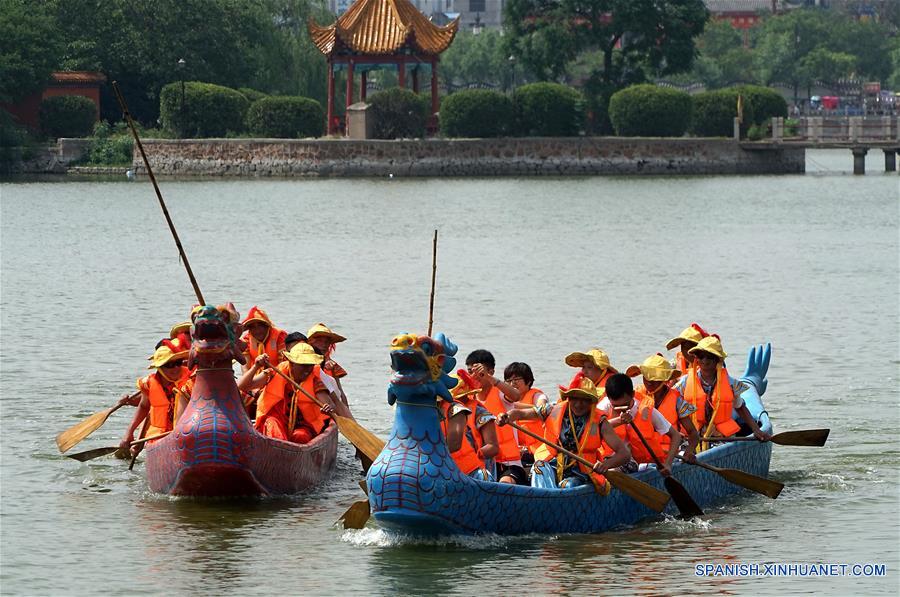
x: 61, y: 83
x: 743, y: 14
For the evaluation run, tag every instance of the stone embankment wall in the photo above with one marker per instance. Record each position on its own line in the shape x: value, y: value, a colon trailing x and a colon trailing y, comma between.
x: 464, y: 157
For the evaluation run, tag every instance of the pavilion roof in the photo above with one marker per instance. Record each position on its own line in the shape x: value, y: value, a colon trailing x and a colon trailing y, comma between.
x: 382, y: 27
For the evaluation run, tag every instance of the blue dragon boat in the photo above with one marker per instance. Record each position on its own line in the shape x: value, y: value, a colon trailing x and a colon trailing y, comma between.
x: 416, y: 488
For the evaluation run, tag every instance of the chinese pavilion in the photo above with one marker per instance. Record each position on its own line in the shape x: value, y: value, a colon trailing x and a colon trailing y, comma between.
x: 373, y: 34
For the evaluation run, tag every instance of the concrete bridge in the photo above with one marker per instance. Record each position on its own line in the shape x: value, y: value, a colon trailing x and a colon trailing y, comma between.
x: 859, y: 134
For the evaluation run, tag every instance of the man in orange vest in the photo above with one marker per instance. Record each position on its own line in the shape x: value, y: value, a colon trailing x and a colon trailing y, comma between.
x: 261, y: 337
x: 323, y: 340
x: 594, y: 366
x: 657, y: 373
x: 498, y: 397
x: 520, y: 377
x: 577, y: 426
x: 470, y: 430
x: 715, y: 394
x: 284, y: 412
x: 621, y: 409
x: 687, y: 340
x: 159, y: 395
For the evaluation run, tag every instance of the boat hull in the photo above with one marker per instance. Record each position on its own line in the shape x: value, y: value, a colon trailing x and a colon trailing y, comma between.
x: 214, y: 451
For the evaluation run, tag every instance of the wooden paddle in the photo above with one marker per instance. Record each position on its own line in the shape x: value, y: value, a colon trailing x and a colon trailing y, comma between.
x: 683, y: 500
x: 367, y: 442
x: 806, y: 437
x: 72, y: 436
x: 637, y: 490
x: 98, y: 452
x: 761, y: 485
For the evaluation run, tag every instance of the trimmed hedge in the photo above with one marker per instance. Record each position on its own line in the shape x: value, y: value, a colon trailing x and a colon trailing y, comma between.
x: 209, y: 110
x: 650, y: 111
x: 477, y: 113
x: 252, y: 94
x: 548, y: 110
x: 398, y: 114
x: 714, y: 111
x: 286, y: 117
x: 67, y: 116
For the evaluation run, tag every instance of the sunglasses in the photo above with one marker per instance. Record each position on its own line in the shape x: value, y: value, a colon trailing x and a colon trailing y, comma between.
x: 172, y: 364
x: 705, y: 356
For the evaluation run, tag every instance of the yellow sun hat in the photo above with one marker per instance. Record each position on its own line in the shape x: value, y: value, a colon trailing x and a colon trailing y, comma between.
x: 184, y: 326
x: 320, y: 329
x: 594, y: 355
x: 302, y: 354
x: 693, y: 333
x: 163, y: 355
x: 710, y: 344
x: 655, y: 368
x: 582, y: 388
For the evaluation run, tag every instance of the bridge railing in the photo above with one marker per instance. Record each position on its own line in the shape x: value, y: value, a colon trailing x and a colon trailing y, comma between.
x: 830, y: 129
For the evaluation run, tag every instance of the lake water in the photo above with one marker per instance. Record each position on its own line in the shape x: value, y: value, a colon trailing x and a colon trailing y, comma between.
x: 529, y: 268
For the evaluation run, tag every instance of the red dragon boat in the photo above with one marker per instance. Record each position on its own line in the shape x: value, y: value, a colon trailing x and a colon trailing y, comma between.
x: 214, y: 451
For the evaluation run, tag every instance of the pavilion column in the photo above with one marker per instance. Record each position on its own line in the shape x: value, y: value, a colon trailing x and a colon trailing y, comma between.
x: 434, y: 86
x: 349, y: 94
x: 415, y: 77
x: 363, y: 82
x: 401, y: 73
x: 329, y: 126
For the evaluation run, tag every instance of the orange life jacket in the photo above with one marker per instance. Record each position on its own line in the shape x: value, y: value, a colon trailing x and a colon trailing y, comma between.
x: 506, y: 435
x: 666, y: 408
x: 466, y: 457
x: 162, y: 401
x: 590, y: 444
x: 533, y: 425
x: 272, y: 346
x: 721, y: 400
x: 644, y: 422
x: 273, y: 400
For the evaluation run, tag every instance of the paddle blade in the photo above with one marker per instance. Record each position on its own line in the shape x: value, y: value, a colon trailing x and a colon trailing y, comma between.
x: 356, y: 515
x: 638, y: 490
x: 365, y: 441
x: 687, y: 507
x: 761, y: 485
x: 74, y: 434
x: 807, y: 437
x: 91, y: 454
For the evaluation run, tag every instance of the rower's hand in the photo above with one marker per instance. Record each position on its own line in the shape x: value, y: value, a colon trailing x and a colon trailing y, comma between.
x: 125, y: 444
x: 625, y: 417
x: 261, y: 362
x: 689, y: 456
x: 128, y: 400
x: 762, y: 435
x: 480, y: 374
x: 503, y: 419
x: 327, y: 409
x: 664, y: 470
x: 600, y: 467
x: 329, y: 365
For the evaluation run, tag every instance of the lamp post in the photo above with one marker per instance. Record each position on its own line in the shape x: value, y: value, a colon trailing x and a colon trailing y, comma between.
x: 512, y: 67
x: 181, y: 65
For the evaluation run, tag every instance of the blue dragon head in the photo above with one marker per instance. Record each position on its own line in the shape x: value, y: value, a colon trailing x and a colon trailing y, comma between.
x: 421, y: 367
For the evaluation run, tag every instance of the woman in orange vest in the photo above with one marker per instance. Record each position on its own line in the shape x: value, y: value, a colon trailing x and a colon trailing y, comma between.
x: 580, y: 428
x: 687, y: 340
x: 621, y: 409
x: 284, y: 412
x: 261, y: 337
x: 657, y: 373
x: 470, y: 430
x: 498, y: 397
x: 594, y: 366
x: 520, y: 377
x: 159, y: 395
x: 715, y: 394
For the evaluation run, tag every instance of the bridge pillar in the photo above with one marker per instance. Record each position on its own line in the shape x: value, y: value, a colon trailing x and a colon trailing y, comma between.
x: 890, y: 160
x: 859, y: 159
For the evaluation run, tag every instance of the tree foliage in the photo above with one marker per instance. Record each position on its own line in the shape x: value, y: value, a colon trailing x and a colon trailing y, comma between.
x: 67, y: 116
x: 30, y: 46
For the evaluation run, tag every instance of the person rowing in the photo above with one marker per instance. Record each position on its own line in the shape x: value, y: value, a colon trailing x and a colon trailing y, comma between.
x: 470, y: 430
x: 261, y: 337
x: 594, y: 365
x: 576, y: 425
x: 686, y: 340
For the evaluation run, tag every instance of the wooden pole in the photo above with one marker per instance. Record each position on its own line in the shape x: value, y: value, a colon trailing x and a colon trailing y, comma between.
x: 433, y: 279
x: 330, y: 125
x: 162, y: 203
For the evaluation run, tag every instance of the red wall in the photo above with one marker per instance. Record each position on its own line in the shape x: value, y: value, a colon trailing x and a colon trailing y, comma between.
x: 26, y: 110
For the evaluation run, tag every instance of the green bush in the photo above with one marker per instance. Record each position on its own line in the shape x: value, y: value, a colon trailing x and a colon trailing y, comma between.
x: 252, y: 94
x: 286, y: 117
x: 67, y: 116
x: 398, y: 113
x: 548, y: 110
x: 208, y: 110
x: 109, y: 146
x: 714, y: 111
x: 650, y: 111
x: 476, y: 113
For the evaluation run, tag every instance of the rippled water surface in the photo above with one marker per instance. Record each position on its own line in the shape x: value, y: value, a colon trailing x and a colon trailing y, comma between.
x: 529, y: 268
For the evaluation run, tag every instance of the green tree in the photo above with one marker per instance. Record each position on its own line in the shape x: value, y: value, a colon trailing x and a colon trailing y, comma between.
x: 478, y: 59
x: 30, y: 45
x: 824, y: 65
